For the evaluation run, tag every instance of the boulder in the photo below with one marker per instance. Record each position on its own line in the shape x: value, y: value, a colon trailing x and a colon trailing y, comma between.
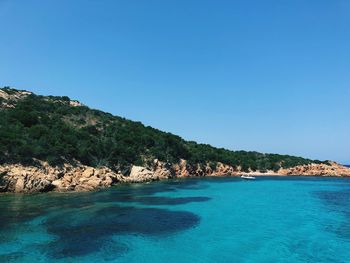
x: 41, y: 185
x: 94, y: 182
x: 141, y: 174
x: 57, y: 183
x: 107, y: 181
x: 19, y: 187
x: 88, y: 172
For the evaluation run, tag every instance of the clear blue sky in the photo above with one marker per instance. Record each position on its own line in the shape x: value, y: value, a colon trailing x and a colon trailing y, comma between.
x: 271, y: 76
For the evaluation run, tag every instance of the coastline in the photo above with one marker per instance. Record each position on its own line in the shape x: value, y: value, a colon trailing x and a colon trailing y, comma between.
x: 176, y: 179
x: 17, y: 178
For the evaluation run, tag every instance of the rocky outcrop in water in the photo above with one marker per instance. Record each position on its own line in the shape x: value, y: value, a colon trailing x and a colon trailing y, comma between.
x: 43, y: 178
x: 140, y: 174
x: 333, y: 169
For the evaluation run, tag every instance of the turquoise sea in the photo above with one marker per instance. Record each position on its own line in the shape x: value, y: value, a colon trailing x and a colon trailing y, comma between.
x: 271, y: 219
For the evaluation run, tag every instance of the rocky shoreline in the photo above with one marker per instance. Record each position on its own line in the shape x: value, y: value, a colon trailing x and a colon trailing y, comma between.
x: 19, y: 178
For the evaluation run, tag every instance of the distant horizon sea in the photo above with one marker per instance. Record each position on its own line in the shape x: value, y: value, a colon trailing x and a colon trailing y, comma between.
x: 270, y: 219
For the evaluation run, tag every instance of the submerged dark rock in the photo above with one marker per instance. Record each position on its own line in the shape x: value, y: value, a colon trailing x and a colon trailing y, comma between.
x: 337, y: 201
x: 88, y: 232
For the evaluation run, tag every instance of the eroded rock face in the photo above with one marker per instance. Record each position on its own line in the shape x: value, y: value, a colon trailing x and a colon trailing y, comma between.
x: 26, y: 179
x: 158, y: 171
x: 9, y: 99
x: 162, y: 170
x: 334, y: 169
x: 87, y: 178
x: 183, y: 169
x: 140, y: 174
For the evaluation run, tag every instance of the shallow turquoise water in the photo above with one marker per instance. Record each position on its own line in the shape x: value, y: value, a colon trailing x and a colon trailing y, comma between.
x: 289, y: 219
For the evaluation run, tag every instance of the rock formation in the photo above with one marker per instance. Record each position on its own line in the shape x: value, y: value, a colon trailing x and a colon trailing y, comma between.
x: 334, y: 169
x: 8, y: 100
x: 140, y: 174
x: 42, y: 178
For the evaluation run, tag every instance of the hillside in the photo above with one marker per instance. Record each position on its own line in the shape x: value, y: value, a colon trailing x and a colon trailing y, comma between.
x: 59, y: 130
x: 55, y: 143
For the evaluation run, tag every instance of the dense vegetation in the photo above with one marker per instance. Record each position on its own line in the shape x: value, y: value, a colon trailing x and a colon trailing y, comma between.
x: 49, y: 128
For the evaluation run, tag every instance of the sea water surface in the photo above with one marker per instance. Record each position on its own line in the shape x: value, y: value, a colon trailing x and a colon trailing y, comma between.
x: 271, y: 219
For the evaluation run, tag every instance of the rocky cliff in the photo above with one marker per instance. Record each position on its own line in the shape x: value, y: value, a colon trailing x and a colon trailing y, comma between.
x: 333, y: 169
x: 43, y: 178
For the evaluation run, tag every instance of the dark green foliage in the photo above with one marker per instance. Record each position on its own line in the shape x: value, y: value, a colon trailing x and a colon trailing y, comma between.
x: 2, y: 181
x: 213, y: 165
x: 48, y: 128
x: 8, y: 90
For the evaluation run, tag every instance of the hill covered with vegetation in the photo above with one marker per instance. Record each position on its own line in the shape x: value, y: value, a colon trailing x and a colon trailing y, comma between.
x: 58, y: 130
